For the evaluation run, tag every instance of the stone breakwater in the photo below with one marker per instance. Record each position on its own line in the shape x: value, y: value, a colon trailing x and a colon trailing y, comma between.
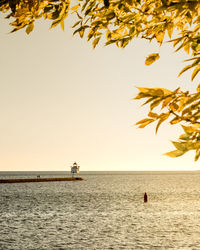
x: 2, y: 181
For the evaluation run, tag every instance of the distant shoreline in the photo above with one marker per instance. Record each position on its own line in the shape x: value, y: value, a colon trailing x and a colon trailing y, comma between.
x: 3, y: 181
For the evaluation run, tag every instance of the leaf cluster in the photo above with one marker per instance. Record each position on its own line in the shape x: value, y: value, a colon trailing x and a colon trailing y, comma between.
x: 122, y: 21
x: 176, y: 107
x: 119, y: 21
x: 25, y: 12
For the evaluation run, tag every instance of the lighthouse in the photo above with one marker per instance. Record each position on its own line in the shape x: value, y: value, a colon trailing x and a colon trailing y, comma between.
x: 75, y: 169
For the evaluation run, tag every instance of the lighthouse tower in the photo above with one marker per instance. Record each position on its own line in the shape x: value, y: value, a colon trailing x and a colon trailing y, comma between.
x: 75, y: 169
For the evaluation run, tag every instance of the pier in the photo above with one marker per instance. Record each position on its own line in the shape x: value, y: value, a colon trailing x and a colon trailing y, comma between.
x: 2, y: 181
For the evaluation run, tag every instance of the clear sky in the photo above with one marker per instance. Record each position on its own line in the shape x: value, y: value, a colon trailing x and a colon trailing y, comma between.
x: 61, y: 101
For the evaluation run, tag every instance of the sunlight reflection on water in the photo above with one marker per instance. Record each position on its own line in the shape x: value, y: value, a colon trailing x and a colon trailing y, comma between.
x: 104, y: 212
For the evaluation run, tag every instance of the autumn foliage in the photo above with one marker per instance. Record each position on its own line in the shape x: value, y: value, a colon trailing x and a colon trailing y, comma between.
x: 119, y: 22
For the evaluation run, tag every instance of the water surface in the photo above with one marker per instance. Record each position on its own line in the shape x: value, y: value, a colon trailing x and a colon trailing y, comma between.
x: 104, y: 212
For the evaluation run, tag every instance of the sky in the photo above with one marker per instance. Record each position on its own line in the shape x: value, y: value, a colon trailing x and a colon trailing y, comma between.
x: 61, y: 101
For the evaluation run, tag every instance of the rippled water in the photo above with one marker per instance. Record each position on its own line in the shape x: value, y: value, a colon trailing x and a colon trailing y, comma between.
x: 104, y: 212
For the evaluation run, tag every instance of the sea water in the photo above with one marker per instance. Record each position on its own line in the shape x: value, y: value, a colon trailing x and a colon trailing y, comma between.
x: 106, y: 211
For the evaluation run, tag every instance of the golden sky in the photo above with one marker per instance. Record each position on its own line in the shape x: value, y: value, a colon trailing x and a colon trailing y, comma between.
x: 61, y: 101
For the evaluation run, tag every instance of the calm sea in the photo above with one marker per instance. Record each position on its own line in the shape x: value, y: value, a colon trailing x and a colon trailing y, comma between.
x: 106, y: 211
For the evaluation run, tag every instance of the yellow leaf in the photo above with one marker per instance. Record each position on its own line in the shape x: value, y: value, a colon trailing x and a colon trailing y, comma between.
x: 144, y: 121
x: 166, y: 101
x: 195, y: 72
x: 188, y: 130
x: 180, y: 146
x: 182, y: 102
x: 153, y: 115
x: 55, y: 23
x: 140, y: 95
x: 175, y: 153
x: 143, y: 90
x: 187, y: 48
x: 62, y: 24
x: 166, y: 91
x: 152, y: 58
x: 95, y: 42
x: 185, y: 69
x: 197, y: 154
x: 187, y: 111
x: 157, y: 92
x: 108, y: 34
x: 176, y: 41
x: 173, y: 106
x: 175, y: 120
x: 81, y: 32
x: 184, y: 137
x: 75, y: 7
x: 29, y: 28
x: 162, y: 119
x: 170, y: 27
x: 155, y: 104
x: 160, y: 36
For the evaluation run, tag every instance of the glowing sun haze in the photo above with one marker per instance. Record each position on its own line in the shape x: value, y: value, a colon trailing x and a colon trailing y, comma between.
x: 61, y: 101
